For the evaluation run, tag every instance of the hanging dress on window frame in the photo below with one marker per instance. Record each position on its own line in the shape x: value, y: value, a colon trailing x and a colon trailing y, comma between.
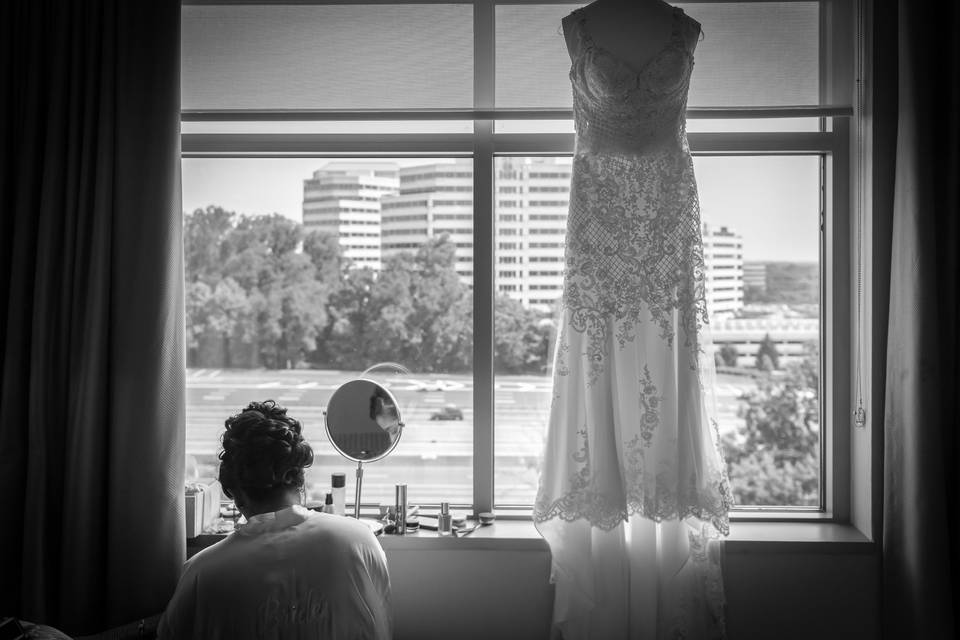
x: 633, y: 491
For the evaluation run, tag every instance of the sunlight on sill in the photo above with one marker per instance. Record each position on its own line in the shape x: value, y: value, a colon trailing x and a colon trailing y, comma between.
x: 744, y: 537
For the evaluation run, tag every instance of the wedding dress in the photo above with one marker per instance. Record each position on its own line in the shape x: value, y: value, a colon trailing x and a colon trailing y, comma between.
x: 633, y: 488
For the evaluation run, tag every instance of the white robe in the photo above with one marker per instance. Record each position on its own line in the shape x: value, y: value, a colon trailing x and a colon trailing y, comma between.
x: 289, y: 574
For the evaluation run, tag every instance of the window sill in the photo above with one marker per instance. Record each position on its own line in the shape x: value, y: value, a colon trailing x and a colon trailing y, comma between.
x: 797, y: 536
x: 518, y: 535
x: 745, y: 537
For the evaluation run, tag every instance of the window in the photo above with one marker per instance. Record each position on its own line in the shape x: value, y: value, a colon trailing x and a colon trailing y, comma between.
x: 332, y: 175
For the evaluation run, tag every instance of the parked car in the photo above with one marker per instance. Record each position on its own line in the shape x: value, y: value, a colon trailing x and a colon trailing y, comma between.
x: 449, y: 412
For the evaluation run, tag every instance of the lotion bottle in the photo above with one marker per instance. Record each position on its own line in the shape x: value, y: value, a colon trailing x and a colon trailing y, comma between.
x: 338, y: 482
x: 328, y: 504
x: 445, y: 521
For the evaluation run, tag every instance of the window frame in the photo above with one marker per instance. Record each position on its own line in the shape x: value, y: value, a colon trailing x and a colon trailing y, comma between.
x: 833, y: 142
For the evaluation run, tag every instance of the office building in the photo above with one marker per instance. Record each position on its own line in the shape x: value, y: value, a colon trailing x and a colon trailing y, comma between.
x: 432, y: 201
x: 532, y: 196
x: 723, y: 261
x: 344, y: 198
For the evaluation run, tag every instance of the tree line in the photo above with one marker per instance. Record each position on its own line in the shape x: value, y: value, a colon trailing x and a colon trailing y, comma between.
x: 262, y: 291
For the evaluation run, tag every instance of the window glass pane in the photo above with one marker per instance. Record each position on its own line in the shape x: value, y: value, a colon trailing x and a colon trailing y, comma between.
x: 761, y: 247
x: 751, y: 53
x: 302, y: 273
x: 761, y: 235
x: 327, y: 57
x: 530, y: 207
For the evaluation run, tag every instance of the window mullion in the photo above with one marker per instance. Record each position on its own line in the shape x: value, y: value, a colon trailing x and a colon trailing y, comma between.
x: 483, y: 98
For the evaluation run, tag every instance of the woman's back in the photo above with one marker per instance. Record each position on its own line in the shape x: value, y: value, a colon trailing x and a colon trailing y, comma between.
x: 292, y: 573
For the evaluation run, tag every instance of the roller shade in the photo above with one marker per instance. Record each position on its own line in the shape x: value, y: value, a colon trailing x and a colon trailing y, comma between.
x: 327, y: 56
x: 421, y: 56
x: 751, y: 54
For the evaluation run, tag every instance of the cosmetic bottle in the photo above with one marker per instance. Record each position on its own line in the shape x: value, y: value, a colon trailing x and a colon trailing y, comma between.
x: 338, y: 482
x: 445, y: 521
x: 328, y: 504
x: 401, y: 509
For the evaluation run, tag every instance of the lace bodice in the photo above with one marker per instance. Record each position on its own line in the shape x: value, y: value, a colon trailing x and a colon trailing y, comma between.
x: 617, y: 107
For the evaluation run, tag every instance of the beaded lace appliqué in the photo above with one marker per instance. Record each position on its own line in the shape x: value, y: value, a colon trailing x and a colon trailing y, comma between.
x: 633, y: 253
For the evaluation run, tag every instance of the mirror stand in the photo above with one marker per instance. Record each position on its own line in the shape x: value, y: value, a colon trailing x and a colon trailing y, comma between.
x: 356, y: 504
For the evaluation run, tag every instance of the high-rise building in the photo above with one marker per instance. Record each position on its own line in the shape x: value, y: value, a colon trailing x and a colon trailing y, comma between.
x: 432, y: 201
x: 344, y: 199
x: 723, y: 261
x: 532, y: 199
x: 532, y: 196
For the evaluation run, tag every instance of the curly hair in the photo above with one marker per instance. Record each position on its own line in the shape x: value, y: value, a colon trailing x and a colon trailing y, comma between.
x: 263, y: 451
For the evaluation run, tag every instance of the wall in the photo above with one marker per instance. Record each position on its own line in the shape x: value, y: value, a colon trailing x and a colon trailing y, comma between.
x: 806, y: 592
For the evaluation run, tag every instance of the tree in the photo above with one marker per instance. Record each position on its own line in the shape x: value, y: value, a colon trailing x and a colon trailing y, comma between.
x: 327, y: 257
x: 205, y: 243
x: 345, y: 343
x: 228, y: 315
x: 768, y: 358
x: 292, y: 314
x: 437, y: 331
x: 729, y: 354
x: 263, y: 292
x: 443, y: 309
x: 521, y: 340
x: 775, y: 458
x: 196, y: 298
x: 261, y: 301
x: 761, y: 480
x: 415, y: 310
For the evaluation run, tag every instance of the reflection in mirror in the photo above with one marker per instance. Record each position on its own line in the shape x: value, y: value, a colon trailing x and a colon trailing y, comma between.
x: 363, y: 423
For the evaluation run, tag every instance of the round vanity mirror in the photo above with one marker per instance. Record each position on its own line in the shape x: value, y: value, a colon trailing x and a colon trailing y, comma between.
x: 363, y: 420
x: 363, y: 424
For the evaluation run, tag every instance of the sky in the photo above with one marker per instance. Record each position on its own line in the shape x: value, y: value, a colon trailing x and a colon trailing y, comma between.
x: 772, y: 201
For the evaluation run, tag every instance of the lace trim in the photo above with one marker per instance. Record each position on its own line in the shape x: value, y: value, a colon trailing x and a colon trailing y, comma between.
x: 669, y: 499
x: 601, y: 512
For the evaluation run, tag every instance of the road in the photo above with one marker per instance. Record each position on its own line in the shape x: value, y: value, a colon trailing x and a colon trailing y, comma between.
x: 434, y: 458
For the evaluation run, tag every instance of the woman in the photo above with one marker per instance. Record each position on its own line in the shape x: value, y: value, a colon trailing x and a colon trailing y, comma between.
x: 288, y: 572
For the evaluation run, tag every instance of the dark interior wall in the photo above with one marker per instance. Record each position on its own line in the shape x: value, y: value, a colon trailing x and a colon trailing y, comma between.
x: 492, y: 593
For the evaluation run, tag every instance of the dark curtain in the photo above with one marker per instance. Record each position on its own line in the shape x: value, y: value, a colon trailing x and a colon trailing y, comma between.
x: 91, y: 337
x: 921, y: 532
